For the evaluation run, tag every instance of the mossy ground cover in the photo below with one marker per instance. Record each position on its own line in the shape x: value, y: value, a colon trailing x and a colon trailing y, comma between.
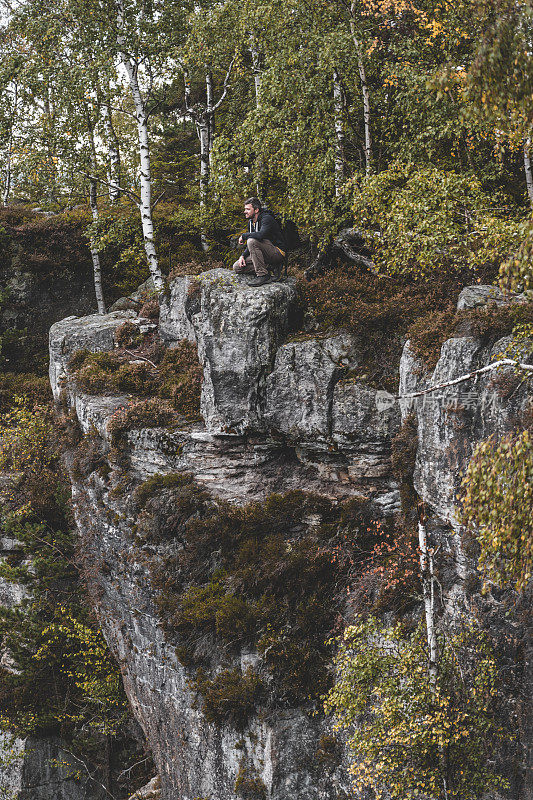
x: 430, y: 331
x: 385, y: 311
x: 148, y: 370
x: 272, y: 577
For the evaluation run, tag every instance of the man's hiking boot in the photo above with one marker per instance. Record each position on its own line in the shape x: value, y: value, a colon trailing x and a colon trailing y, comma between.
x: 259, y: 281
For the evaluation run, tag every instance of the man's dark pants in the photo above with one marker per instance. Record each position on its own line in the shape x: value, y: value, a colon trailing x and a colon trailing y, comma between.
x: 263, y: 254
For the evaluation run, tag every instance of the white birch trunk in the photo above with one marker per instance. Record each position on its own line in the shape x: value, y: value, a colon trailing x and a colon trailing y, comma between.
x: 201, y: 121
x: 93, y: 203
x: 113, y: 149
x: 97, y: 272
x: 210, y: 113
x: 203, y: 135
x: 369, y: 158
x: 527, y: 168
x: 7, y: 181
x: 145, y: 205
x: 339, y: 133
x: 9, y: 153
x: 204, y: 119
x: 427, y: 574
x: 256, y: 66
x: 205, y: 131
x: 50, y: 147
x: 428, y: 593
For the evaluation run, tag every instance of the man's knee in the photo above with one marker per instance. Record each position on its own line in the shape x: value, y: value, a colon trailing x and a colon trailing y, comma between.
x: 252, y: 244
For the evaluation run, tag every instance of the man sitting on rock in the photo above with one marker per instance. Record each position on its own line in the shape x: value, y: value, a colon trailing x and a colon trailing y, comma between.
x: 264, y: 244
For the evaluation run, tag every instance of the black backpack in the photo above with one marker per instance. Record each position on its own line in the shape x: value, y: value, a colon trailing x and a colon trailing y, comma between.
x: 291, y: 234
x: 289, y: 231
x: 291, y: 238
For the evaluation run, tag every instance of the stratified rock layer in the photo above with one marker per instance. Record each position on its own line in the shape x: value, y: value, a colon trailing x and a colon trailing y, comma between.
x: 278, y: 414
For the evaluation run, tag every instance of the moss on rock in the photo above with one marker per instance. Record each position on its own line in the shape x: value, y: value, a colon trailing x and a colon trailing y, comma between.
x: 175, y: 376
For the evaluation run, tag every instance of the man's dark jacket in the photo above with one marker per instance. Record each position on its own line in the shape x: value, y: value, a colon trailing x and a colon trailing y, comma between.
x: 266, y: 227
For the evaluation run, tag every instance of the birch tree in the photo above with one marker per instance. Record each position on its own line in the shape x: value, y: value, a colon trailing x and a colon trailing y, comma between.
x: 132, y: 64
x: 527, y: 168
x: 339, y: 133
x: 369, y: 157
x: 420, y: 710
x: 11, y: 94
x: 203, y: 116
x: 71, y: 88
x: 257, y: 69
x: 207, y: 61
x: 427, y: 577
x: 500, y: 77
x: 113, y: 148
x: 93, y: 202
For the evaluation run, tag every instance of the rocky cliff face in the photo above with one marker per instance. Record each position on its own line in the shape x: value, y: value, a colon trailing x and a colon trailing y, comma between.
x: 279, y: 413
x: 34, y: 291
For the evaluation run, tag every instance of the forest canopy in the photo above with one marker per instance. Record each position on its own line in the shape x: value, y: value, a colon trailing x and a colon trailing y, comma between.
x: 364, y: 112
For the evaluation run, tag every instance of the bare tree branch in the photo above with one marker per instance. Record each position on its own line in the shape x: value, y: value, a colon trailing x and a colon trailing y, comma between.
x: 158, y: 198
x: 503, y: 362
x: 131, y: 195
x: 127, y: 772
x: 141, y: 358
x: 225, y: 85
x: 87, y: 770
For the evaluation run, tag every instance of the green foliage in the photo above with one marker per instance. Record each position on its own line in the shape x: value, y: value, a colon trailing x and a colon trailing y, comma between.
x: 515, y: 272
x: 496, y: 505
x: 212, y: 609
x: 500, y: 78
x: 25, y: 384
x: 119, y: 235
x: 25, y: 440
x: 62, y: 677
x: 408, y: 738
x: 420, y: 218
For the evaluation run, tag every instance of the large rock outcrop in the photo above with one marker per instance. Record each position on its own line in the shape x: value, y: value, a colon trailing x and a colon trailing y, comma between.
x: 262, y: 399
x: 453, y: 419
x: 278, y: 414
x: 35, y: 290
